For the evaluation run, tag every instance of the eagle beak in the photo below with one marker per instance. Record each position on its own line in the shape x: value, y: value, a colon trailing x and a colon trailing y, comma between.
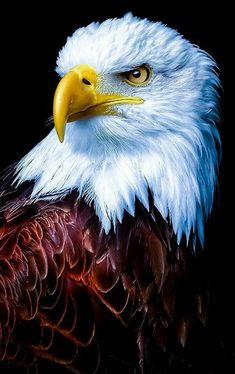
x: 76, y: 97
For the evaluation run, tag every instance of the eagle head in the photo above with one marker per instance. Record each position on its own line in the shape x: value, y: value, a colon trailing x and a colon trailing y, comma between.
x: 135, y: 112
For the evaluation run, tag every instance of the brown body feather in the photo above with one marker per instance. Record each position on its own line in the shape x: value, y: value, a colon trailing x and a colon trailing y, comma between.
x: 73, y: 297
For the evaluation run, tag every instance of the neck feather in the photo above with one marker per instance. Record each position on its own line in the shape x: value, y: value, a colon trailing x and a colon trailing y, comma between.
x: 179, y: 172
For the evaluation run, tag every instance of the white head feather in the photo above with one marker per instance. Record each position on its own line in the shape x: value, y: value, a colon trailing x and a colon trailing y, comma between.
x: 169, y: 144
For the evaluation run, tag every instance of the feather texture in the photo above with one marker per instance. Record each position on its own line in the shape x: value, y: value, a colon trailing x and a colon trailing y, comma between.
x: 64, y: 279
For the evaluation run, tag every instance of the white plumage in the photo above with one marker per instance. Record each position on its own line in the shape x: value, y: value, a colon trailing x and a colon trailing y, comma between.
x: 169, y: 144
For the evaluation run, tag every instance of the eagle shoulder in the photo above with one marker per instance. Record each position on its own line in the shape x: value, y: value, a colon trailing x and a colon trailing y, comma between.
x: 63, y: 277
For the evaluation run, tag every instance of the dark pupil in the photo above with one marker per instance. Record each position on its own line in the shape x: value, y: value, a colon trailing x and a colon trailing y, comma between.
x: 136, y: 73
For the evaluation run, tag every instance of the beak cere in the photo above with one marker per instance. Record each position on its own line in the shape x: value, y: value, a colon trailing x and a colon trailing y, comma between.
x: 76, y: 97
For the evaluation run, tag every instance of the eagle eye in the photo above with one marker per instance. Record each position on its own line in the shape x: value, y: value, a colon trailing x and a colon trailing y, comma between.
x: 139, y: 76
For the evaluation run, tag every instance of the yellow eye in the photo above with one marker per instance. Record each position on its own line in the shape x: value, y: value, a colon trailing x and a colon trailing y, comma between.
x: 138, y: 76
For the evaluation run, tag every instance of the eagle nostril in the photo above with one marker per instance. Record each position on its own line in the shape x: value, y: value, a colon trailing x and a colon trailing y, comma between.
x: 85, y: 81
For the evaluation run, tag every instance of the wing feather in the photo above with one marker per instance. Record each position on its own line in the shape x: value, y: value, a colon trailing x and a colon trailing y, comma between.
x: 67, y: 281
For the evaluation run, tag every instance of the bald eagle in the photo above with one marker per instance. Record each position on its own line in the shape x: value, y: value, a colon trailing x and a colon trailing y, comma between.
x: 102, y: 222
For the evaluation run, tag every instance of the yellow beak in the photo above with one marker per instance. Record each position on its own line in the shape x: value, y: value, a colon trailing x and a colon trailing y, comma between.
x: 76, y: 97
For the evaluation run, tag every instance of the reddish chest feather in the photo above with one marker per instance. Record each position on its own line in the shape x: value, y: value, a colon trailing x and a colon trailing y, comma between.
x: 61, y: 276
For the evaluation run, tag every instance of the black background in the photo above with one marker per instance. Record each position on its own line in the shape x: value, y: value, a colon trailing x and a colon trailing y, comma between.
x: 30, y: 41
